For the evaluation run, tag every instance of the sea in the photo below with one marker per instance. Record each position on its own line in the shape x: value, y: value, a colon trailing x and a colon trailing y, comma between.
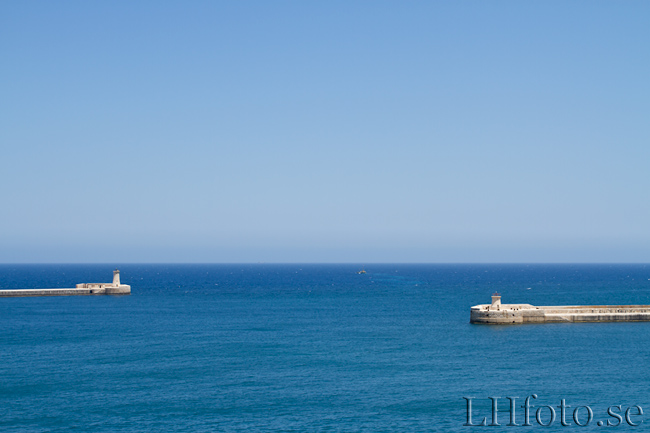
x: 320, y: 348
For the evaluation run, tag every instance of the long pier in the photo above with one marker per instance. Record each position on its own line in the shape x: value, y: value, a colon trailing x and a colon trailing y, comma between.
x: 508, y: 314
x: 114, y: 288
x: 13, y: 293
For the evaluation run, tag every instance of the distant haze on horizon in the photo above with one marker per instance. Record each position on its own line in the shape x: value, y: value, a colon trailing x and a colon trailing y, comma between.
x: 334, y: 132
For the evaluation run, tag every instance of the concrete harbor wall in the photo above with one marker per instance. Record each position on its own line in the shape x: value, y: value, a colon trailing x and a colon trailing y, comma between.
x: 49, y: 292
x: 114, y: 288
x: 508, y: 314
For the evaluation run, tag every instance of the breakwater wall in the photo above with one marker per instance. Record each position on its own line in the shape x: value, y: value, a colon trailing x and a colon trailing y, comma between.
x: 114, y: 288
x: 507, y: 314
x: 13, y: 293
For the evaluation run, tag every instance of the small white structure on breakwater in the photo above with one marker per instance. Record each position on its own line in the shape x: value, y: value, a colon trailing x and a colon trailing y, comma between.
x: 497, y: 313
x: 114, y: 288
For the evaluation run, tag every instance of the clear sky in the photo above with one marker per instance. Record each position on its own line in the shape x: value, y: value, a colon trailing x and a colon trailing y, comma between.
x: 325, y: 131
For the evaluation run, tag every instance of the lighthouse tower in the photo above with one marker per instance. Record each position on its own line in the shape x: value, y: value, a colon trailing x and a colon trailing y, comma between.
x: 496, y: 301
x: 117, y: 288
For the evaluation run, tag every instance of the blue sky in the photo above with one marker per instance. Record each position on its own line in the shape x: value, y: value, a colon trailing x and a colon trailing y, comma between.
x: 332, y: 131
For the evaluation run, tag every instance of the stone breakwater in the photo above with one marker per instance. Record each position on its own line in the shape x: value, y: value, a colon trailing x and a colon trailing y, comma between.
x: 114, y: 288
x: 64, y: 292
x: 508, y: 314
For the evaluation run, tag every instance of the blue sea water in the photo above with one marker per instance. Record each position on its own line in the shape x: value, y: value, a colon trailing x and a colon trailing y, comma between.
x: 314, y: 348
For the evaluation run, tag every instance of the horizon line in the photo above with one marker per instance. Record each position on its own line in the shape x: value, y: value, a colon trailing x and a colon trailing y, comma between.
x: 324, y: 263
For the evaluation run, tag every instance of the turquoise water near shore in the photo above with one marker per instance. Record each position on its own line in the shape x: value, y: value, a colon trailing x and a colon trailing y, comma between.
x: 295, y: 348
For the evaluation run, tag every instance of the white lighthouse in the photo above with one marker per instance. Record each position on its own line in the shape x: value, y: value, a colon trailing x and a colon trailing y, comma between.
x: 496, y: 301
x: 114, y: 288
